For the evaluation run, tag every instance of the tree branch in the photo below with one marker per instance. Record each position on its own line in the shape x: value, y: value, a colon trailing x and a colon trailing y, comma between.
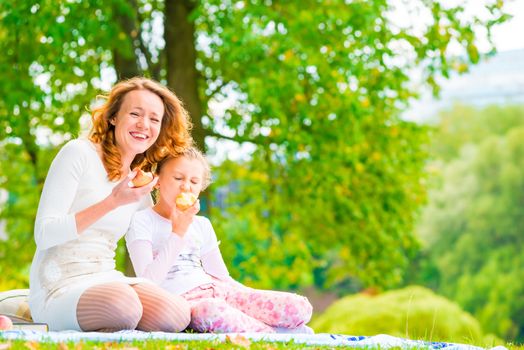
x: 141, y: 45
x: 217, y: 89
x: 259, y: 140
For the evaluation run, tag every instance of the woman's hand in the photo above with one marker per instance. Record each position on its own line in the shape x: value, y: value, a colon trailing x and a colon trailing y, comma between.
x: 120, y: 195
x: 125, y: 193
x: 180, y: 220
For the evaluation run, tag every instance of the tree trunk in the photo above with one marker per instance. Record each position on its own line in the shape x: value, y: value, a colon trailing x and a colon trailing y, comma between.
x: 182, y: 76
x: 124, y: 58
x: 126, y: 67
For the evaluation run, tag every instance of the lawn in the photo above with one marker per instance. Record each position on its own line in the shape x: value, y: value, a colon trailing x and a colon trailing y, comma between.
x: 238, y: 343
x: 156, y: 344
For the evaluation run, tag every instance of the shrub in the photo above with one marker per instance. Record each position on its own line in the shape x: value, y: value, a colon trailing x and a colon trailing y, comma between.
x: 413, y: 312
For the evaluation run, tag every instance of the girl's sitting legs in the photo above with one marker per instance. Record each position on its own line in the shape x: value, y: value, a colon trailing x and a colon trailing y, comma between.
x: 271, y: 308
x: 277, y: 309
x: 214, y: 315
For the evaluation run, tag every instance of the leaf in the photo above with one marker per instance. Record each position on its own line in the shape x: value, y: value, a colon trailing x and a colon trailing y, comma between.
x: 32, y: 345
x: 175, y: 347
x: 237, y: 339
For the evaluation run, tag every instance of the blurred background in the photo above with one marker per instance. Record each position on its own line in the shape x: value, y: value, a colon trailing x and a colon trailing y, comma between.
x: 368, y: 154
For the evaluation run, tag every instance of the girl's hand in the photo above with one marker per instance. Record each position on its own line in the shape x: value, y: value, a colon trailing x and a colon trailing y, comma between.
x: 124, y: 193
x: 180, y: 220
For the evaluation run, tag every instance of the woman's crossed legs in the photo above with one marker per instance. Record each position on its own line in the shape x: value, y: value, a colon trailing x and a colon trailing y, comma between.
x: 116, y: 306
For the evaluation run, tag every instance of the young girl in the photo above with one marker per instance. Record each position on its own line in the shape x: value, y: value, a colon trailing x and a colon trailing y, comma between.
x: 179, y: 251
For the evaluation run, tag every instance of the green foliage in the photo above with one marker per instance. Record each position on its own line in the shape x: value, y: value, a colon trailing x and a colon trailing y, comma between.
x: 464, y: 125
x: 18, y: 214
x: 333, y: 186
x: 473, y: 223
x: 412, y: 312
x: 261, y: 245
x: 319, y: 93
x: 49, y: 68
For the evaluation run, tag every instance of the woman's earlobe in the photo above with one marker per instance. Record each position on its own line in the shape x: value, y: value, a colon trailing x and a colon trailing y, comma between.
x: 112, y: 121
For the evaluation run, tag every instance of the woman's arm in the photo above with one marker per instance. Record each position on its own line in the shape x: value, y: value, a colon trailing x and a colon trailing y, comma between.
x: 122, y: 194
x: 54, y: 223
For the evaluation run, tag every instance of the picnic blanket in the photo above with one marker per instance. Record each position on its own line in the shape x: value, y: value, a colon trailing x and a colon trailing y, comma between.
x: 381, y: 341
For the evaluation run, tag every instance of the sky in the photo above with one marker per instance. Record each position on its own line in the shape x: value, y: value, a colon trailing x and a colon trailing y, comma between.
x: 506, y: 37
x: 510, y: 35
x: 499, y: 79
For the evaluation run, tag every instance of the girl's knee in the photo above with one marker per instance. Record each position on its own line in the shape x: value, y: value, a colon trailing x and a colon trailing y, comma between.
x: 297, y: 311
x: 207, y: 308
x: 306, y: 309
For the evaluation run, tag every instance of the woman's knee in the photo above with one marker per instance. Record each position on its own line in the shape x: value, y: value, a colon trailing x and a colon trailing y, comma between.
x: 162, y: 310
x: 112, y: 306
x: 178, y: 312
x: 127, y: 307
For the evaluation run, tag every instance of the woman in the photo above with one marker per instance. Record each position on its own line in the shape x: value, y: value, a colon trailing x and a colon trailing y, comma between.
x: 86, y: 206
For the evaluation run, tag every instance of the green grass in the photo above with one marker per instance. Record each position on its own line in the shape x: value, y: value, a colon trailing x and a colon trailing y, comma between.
x: 176, y: 345
x: 153, y: 344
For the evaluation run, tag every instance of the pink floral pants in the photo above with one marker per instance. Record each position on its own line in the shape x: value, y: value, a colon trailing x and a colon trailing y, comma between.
x: 221, y: 307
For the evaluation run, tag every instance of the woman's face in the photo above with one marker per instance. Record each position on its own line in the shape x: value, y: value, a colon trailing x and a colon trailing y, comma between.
x: 137, y: 123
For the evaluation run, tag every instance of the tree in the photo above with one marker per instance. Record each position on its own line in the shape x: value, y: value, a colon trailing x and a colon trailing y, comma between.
x: 315, y: 90
x: 473, y: 223
x: 48, y: 76
x: 462, y: 126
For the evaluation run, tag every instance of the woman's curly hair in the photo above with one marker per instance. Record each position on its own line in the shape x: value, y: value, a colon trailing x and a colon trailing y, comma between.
x: 174, y: 134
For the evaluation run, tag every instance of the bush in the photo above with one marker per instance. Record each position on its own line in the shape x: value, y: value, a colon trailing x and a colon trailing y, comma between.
x: 413, y: 312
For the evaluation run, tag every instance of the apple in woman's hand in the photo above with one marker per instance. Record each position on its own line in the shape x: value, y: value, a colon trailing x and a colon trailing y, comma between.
x: 142, y: 178
x: 5, y: 323
x: 185, y: 199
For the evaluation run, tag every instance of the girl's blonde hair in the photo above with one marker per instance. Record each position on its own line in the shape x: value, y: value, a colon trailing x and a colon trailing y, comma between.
x: 191, y: 153
x: 174, y: 134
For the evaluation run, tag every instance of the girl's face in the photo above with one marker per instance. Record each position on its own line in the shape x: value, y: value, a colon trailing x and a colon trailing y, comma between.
x: 137, y: 123
x: 180, y: 175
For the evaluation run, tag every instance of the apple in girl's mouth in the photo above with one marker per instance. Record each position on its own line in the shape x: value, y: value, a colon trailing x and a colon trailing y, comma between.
x: 185, y: 200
